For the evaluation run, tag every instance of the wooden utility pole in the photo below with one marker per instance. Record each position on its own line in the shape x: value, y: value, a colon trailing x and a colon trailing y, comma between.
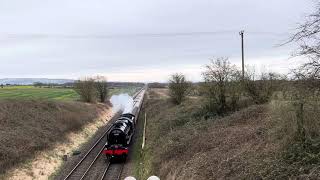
x: 242, y: 51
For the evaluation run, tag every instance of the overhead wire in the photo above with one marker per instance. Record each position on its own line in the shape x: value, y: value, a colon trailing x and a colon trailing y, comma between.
x: 134, y: 35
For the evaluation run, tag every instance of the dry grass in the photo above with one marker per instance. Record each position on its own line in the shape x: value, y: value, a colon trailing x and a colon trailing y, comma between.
x: 225, y: 148
x: 158, y: 93
x: 285, y: 113
x: 300, y: 158
x: 248, y: 144
x: 28, y: 126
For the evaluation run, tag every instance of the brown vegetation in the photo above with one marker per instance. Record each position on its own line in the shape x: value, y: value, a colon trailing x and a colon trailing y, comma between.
x: 262, y: 89
x: 28, y: 126
x: 157, y: 85
x: 253, y: 143
x: 199, y: 148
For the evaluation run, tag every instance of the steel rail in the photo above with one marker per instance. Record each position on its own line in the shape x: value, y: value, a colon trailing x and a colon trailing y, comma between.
x: 91, y: 149
x: 103, y: 177
x: 105, y: 171
x: 120, y: 173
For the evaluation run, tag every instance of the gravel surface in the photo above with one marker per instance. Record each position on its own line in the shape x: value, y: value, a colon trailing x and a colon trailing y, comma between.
x: 113, y: 171
x: 73, y: 160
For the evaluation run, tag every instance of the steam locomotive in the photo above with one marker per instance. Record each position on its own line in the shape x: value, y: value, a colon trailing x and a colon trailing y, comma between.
x: 119, y: 137
x: 121, y: 132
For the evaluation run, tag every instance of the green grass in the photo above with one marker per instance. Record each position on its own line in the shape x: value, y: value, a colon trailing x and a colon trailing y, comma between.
x: 65, y: 94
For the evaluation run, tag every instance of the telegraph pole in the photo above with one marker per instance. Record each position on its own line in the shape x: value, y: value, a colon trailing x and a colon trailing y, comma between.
x: 242, y: 51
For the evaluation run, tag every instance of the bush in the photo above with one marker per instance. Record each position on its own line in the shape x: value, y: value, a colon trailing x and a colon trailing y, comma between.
x: 221, y: 80
x: 260, y: 90
x: 86, y: 89
x: 178, y: 88
x: 102, y: 88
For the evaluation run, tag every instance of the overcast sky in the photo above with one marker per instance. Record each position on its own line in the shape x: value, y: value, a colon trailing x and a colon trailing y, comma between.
x: 142, y: 40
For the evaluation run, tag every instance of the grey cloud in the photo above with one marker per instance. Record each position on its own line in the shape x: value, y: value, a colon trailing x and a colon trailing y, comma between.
x: 63, y: 37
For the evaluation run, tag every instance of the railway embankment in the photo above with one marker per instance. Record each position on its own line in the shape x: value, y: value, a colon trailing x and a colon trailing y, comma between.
x: 246, y: 144
x: 37, y: 136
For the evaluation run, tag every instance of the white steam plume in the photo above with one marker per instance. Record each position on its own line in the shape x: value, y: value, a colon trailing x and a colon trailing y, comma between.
x: 122, y: 102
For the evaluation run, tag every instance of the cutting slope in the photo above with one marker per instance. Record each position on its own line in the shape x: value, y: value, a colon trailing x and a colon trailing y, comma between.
x: 243, y: 145
x: 28, y: 126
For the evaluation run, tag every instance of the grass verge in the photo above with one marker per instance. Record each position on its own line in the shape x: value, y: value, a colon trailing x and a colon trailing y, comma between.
x: 29, y: 126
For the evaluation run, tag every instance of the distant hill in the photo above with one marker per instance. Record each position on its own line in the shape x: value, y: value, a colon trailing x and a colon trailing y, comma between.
x: 30, y: 81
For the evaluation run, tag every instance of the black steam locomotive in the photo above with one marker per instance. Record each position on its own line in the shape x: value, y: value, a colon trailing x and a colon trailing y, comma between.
x: 121, y: 132
x: 119, y: 137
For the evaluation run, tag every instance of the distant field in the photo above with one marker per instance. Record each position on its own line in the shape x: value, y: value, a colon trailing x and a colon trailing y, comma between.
x: 66, y: 94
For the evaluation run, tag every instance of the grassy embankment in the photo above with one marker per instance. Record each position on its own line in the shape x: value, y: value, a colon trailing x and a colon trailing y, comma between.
x: 36, y: 119
x: 28, y: 126
x: 253, y: 143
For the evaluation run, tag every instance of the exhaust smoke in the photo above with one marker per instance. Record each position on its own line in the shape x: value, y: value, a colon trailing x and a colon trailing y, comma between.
x: 123, y: 102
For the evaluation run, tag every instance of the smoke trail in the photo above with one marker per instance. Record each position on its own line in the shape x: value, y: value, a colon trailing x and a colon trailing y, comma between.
x: 122, y: 102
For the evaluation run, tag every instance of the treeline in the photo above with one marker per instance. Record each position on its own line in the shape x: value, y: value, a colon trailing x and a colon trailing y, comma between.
x: 93, y: 89
x: 71, y: 84
x: 52, y: 85
x: 224, y: 89
x: 158, y: 85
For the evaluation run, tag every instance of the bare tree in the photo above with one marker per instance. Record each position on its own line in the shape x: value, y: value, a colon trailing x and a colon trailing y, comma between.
x: 178, y: 87
x: 306, y: 78
x: 102, y: 87
x: 217, y: 76
x: 308, y: 38
x: 86, y: 89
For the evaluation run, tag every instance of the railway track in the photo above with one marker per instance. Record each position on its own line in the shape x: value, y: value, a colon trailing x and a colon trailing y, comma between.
x: 112, y: 171
x: 91, y: 164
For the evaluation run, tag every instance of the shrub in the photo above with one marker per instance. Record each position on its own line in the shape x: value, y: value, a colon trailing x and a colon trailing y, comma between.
x: 86, y: 89
x: 101, y: 87
x: 178, y: 88
x: 221, y: 80
x: 260, y: 90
